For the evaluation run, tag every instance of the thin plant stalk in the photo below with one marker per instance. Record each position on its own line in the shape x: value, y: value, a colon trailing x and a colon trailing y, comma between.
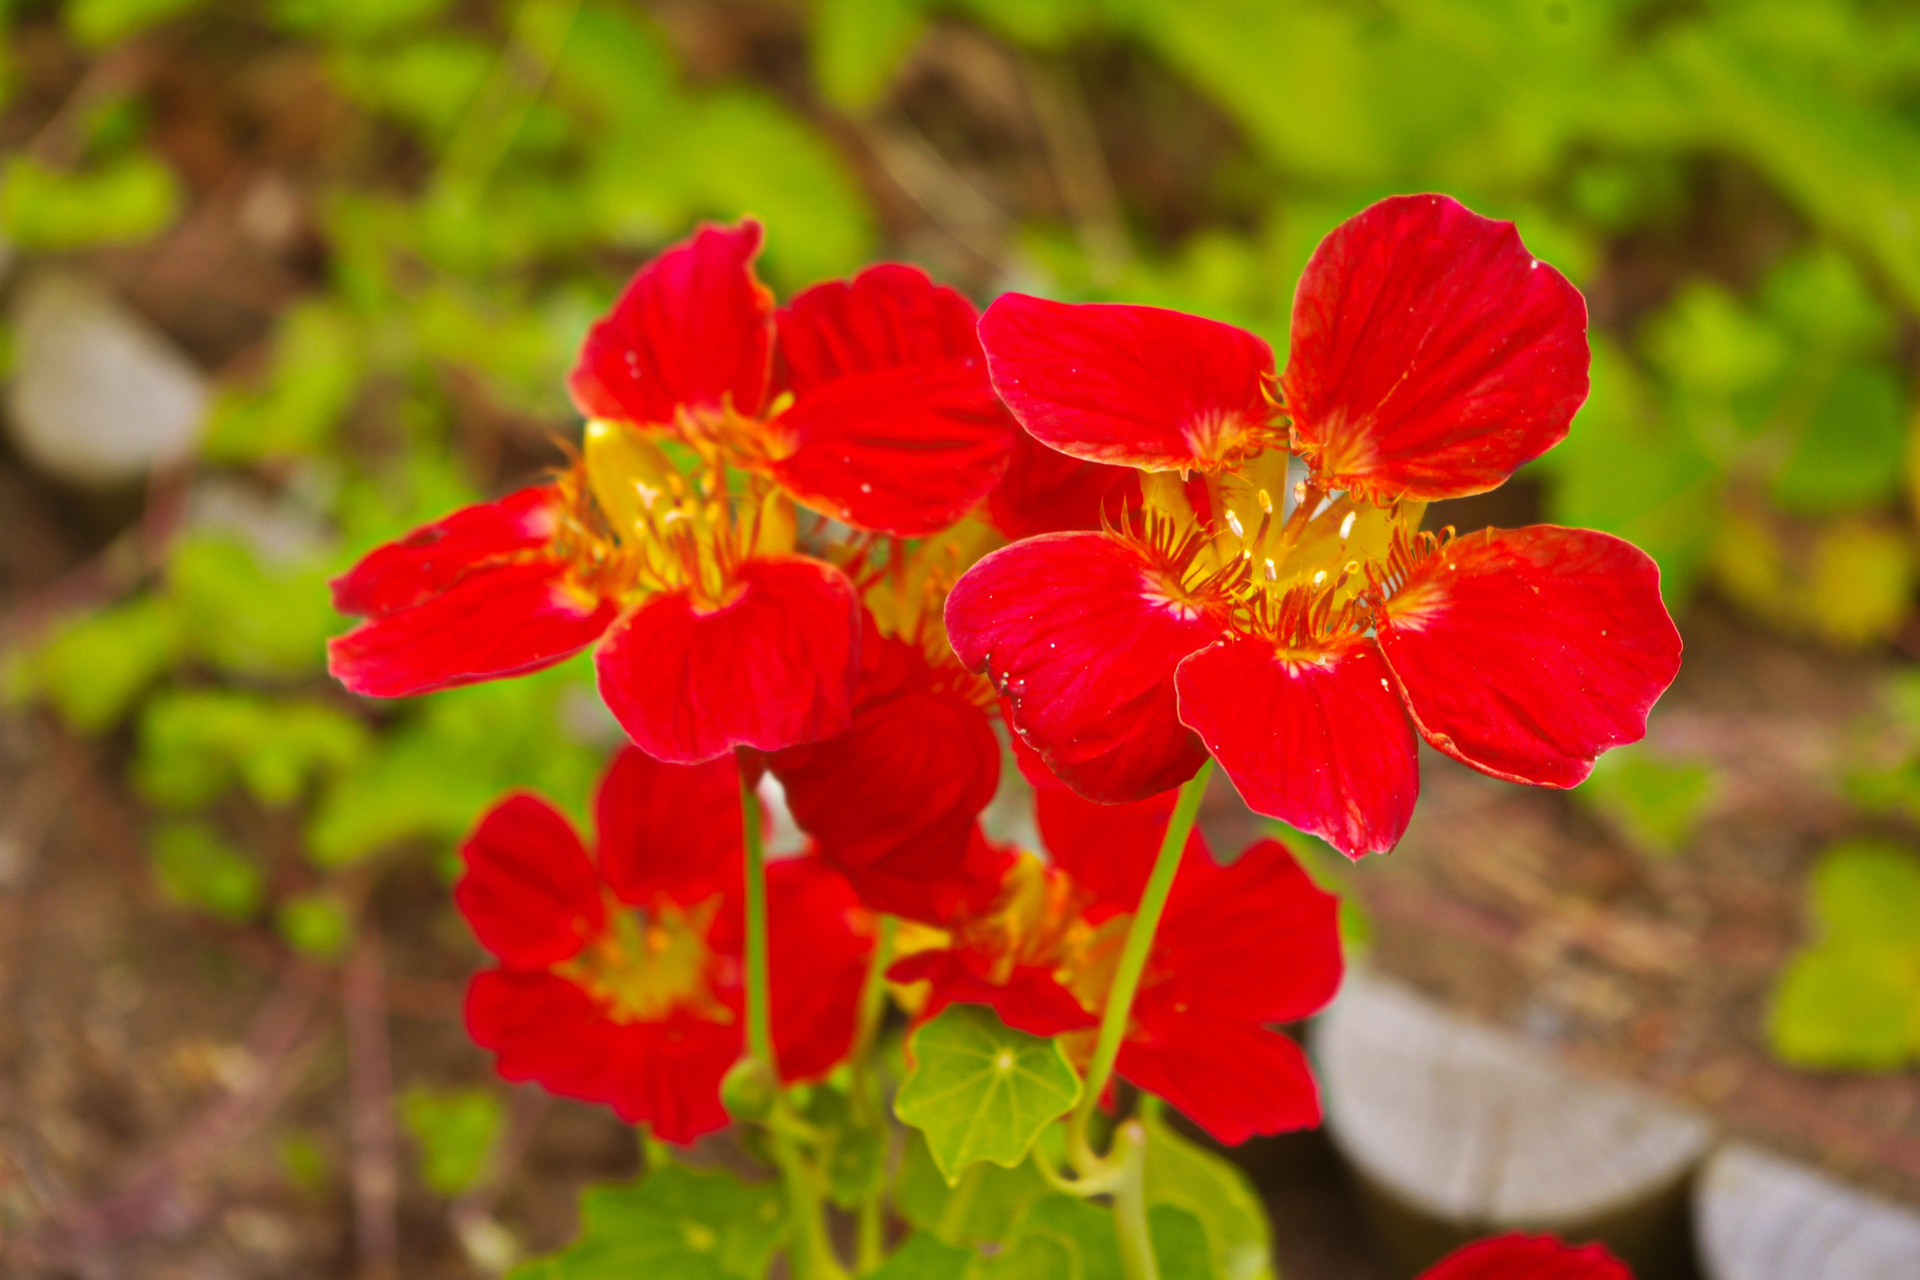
x: 1133, y: 962
x: 1137, y: 1261
x: 810, y: 1254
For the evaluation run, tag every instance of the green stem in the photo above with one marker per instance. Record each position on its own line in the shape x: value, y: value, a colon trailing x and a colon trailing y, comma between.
x: 959, y: 1204
x: 759, y: 1009
x: 870, y: 1225
x: 1133, y: 962
x: 1130, y: 1203
x: 810, y: 1255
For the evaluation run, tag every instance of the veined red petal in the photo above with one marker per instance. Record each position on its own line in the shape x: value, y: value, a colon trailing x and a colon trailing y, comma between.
x: 1317, y: 740
x: 1234, y: 1079
x: 413, y: 569
x: 818, y: 942
x: 1108, y: 849
x: 906, y: 450
x: 1257, y: 940
x: 529, y: 891
x: 1527, y: 652
x: 1081, y: 640
x: 889, y: 316
x: 968, y: 888
x: 1030, y: 1000
x: 773, y: 667
x: 669, y: 829
x: 1432, y: 354
x: 499, y: 620
x: 693, y: 328
x: 542, y: 1028
x: 900, y: 790
x: 1133, y: 386
x: 667, y: 1074
x: 1522, y: 1257
x: 1046, y: 491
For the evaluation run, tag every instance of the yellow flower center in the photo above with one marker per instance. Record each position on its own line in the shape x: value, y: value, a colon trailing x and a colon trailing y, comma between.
x: 647, y: 964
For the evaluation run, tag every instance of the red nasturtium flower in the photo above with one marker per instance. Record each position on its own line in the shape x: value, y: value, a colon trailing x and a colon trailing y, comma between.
x: 619, y: 977
x: 1239, y: 947
x: 866, y: 401
x: 1523, y: 1257
x: 1270, y: 598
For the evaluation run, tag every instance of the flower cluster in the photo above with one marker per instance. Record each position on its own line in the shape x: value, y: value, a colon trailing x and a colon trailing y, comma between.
x: 1284, y: 610
x: 864, y: 545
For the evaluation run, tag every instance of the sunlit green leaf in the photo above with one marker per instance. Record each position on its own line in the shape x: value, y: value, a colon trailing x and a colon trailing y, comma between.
x: 248, y: 616
x: 316, y: 370
x: 454, y: 1130
x: 198, y: 868
x: 675, y: 1223
x: 347, y: 20
x: 1849, y: 1006
x: 93, y: 668
x: 980, y: 1090
x: 1181, y: 1245
x: 123, y: 201
x: 101, y: 22
x: 1868, y: 891
x: 195, y: 743
x: 858, y: 43
x: 1862, y: 580
x: 1218, y: 1196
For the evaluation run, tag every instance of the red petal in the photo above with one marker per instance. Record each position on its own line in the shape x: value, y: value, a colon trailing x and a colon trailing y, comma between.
x: 899, y: 791
x: 543, y: 1028
x: 1527, y: 652
x: 1520, y: 1257
x: 667, y: 1074
x: 1042, y: 617
x: 501, y: 620
x: 433, y: 557
x: 693, y: 328
x: 1256, y: 941
x: 1320, y: 742
x: 1233, y: 1079
x: 818, y: 942
x: 1046, y: 491
x: 773, y: 667
x: 1030, y: 1000
x: 529, y: 891
x: 905, y: 451
x: 669, y: 829
x: 1135, y: 386
x: 971, y: 887
x: 1432, y: 354
x: 887, y: 317
x: 1108, y: 849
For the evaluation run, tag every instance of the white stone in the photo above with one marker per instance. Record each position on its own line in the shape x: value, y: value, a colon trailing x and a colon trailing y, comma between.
x: 1478, y: 1128
x: 98, y: 396
x: 1763, y: 1217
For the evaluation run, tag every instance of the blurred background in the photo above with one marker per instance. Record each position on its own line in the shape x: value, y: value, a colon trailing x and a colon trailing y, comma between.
x: 283, y: 278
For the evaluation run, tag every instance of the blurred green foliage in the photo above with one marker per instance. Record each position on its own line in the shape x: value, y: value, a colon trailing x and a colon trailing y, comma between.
x: 1851, y: 998
x: 453, y: 1130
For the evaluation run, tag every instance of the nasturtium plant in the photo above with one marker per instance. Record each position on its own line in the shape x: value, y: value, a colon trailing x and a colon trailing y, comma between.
x: 671, y: 1222
x: 454, y: 1130
x: 1851, y: 998
x: 980, y: 1090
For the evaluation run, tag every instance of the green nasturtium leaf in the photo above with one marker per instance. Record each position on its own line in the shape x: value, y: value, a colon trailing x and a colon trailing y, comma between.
x: 673, y: 1224
x: 93, y: 668
x: 1869, y: 891
x: 1180, y: 1244
x: 857, y: 44
x: 194, y: 743
x: 453, y: 1129
x: 923, y: 1257
x: 1058, y: 1237
x: 984, y: 1207
x: 980, y: 1090
x: 1182, y: 1175
x: 129, y: 199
